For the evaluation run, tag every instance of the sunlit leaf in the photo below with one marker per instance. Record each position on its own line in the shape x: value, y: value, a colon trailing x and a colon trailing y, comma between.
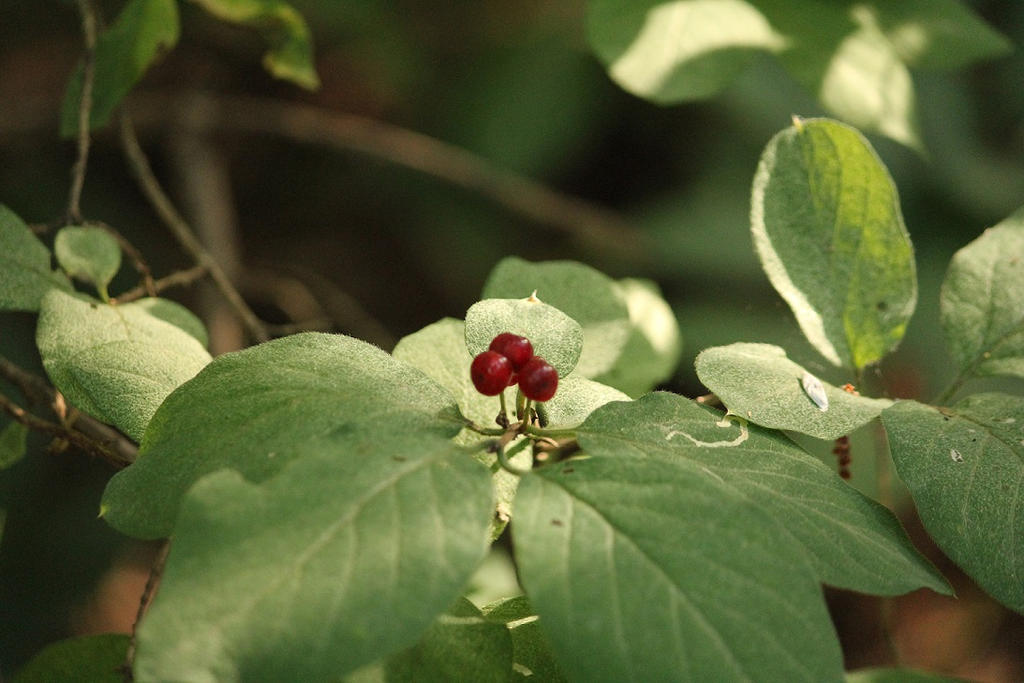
x: 758, y: 382
x: 255, y: 410
x: 88, y: 253
x: 982, y: 302
x: 827, y: 226
x: 964, y: 467
x: 345, y: 557
x: 554, y: 335
x: 852, y: 541
x: 116, y: 363
x: 25, y: 274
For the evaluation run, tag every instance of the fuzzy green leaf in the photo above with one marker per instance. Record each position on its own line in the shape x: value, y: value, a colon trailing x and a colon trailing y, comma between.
x: 982, y: 302
x: 576, y: 399
x: 555, y: 336
x: 938, y: 34
x: 97, y: 659
x: 256, y: 410
x: 758, y: 382
x: 730, y: 597
x: 290, y: 56
x: 852, y: 541
x: 13, y: 441
x: 177, y: 315
x: 141, y: 33
x: 531, y: 650
x: 25, y: 274
x: 674, y: 50
x: 89, y: 254
x: 965, y: 469
x: 586, y: 295
x: 345, y: 557
x: 827, y: 226
x: 116, y: 363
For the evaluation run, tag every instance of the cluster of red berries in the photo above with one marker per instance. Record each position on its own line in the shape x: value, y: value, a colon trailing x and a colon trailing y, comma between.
x: 508, y: 361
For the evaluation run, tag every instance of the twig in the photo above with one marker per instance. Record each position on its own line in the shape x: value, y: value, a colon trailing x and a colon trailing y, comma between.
x: 99, y: 439
x: 186, y: 237
x: 85, y: 8
x: 155, y: 572
x: 133, y: 254
x: 178, y: 278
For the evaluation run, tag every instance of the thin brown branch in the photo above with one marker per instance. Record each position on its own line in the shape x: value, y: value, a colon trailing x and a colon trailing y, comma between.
x: 85, y: 8
x: 182, y: 231
x: 83, y: 431
x: 595, y: 225
x: 155, y: 572
x: 180, y: 278
x: 133, y: 254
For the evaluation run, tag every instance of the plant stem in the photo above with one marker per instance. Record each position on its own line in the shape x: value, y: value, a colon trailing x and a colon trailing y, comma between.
x: 175, y: 279
x: 84, y: 109
x: 506, y: 464
x: 155, y: 572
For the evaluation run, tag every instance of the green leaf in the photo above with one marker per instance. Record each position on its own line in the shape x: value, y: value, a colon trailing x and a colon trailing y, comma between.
x: 256, y: 410
x: 730, y: 597
x: 938, y: 34
x: 982, y: 302
x: 177, y: 315
x: 96, y: 659
x: 575, y: 399
x: 965, y: 469
x: 555, y: 336
x: 676, y: 50
x: 758, y: 382
x: 90, y: 254
x: 290, y: 56
x: 852, y: 541
x: 898, y: 676
x: 531, y: 650
x: 345, y: 557
x: 654, y: 346
x: 586, y: 295
x: 25, y: 275
x: 827, y: 226
x: 141, y: 34
x: 13, y: 441
x: 116, y: 363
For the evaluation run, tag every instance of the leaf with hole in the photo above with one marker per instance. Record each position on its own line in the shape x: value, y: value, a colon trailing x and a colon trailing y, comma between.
x: 964, y: 467
x: 255, y: 410
x: 852, y: 541
x: 116, y: 363
x: 343, y: 558
x: 25, y: 274
x: 759, y: 383
x: 827, y: 226
x: 982, y: 302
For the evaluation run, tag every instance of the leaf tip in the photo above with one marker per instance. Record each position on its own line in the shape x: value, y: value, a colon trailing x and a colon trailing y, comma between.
x: 798, y: 122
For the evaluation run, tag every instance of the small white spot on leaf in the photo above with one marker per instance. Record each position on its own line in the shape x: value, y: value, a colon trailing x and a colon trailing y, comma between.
x: 955, y: 456
x: 815, y: 390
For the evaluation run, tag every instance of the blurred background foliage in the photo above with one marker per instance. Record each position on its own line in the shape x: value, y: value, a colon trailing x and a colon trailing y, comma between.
x: 316, y: 231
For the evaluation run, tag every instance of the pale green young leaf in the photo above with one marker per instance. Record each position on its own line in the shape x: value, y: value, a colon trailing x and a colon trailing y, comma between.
x: 255, y: 410
x: 290, y: 56
x: 652, y: 351
x: 759, y: 383
x: 554, y: 335
x: 731, y: 597
x: 96, y: 659
x: 938, y: 34
x: 586, y: 295
x: 575, y: 399
x: 13, y: 441
x: 826, y: 222
x: 852, y: 541
x: 88, y: 253
x: 982, y: 302
x: 142, y: 32
x: 177, y: 315
x: 25, y: 274
x: 964, y: 467
x: 898, y: 676
x: 674, y: 50
x: 343, y: 558
x: 116, y: 363
x: 531, y: 650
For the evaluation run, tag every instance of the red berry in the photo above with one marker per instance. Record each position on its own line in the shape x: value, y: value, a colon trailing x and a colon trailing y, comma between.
x: 538, y: 380
x: 490, y: 372
x: 517, y: 349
